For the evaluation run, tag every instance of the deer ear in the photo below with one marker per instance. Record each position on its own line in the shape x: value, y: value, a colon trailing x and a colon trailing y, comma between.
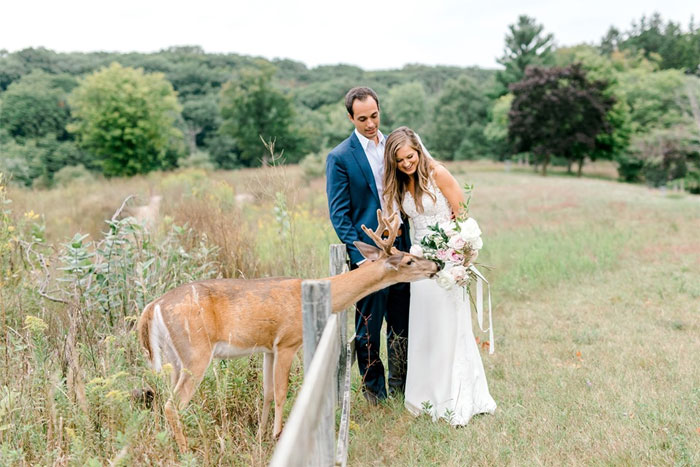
x: 393, y: 261
x: 370, y: 252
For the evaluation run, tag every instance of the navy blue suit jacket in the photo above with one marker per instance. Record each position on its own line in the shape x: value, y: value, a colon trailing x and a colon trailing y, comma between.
x: 352, y: 197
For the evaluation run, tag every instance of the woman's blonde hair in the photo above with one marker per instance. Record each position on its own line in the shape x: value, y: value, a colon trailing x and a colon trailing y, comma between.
x: 395, y: 181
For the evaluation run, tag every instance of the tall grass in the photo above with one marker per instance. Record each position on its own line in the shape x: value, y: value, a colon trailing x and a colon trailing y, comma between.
x: 596, y: 289
x: 66, y: 395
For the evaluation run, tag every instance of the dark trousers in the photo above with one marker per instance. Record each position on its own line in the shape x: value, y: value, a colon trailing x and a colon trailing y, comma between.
x: 392, y: 304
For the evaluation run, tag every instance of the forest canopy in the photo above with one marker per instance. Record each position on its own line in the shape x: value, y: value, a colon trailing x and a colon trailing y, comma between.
x: 127, y: 113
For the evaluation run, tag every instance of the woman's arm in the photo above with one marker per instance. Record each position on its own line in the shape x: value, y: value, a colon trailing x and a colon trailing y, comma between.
x: 449, y: 187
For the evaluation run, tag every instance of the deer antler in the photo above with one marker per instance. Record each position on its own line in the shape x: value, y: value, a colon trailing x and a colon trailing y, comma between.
x: 386, y: 224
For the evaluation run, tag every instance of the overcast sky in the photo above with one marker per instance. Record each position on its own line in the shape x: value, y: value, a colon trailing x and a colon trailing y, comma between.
x: 372, y: 35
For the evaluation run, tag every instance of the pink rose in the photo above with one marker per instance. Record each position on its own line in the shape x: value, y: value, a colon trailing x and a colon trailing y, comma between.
x: 457, y: 242
x: 459, y: 273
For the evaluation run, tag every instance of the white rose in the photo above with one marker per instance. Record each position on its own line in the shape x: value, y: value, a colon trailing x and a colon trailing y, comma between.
x: 471, y: 233
x: 445, y: 279
x: 448, y: 228
x: 416, y: 251
x: 476, y: 243
x: 469, y: 229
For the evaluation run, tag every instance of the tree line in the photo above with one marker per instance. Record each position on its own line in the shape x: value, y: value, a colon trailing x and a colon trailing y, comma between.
x: 631, y: 98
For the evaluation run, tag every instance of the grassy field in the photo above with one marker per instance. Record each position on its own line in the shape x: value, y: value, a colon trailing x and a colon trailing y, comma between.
x: 596, y: 288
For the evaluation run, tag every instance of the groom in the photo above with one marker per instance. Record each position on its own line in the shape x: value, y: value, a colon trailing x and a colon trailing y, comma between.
x: 354, y: 182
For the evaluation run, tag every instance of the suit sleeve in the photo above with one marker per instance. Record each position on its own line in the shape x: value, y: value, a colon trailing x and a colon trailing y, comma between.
x: 338, y: 192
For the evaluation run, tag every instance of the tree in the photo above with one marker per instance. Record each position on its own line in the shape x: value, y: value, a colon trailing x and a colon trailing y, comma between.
x: 526, y: 45
x: 252, y: 107
x: 405, y: 105
x: 655, y: 98
x: 201, y: 118
x: 197, y: 86
x: 665, y: 42
x: 669, y: 154
x: 335, y: 124
x: 35, y: 161
x: 318, y: 94
x: 557, y: 111
x: 496, y: 132
x: 11, y: 69
x: 36, y: 105
x: 126, y: 117
x: 611, y: 41
x: 460, y: 115
x: 607, y: 68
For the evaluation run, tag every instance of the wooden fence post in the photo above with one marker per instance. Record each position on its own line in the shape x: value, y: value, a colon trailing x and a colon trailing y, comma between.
x: 316, y: 308
x: 338, y: 266
x: 296, y: 447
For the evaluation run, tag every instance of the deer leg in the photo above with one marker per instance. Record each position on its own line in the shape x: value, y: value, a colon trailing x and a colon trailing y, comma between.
x: 182, y: 394
x: 283, y: 363
x: 268, y: 389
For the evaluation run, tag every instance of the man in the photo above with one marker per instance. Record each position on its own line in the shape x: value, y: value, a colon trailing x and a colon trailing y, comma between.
x: 354, y: 181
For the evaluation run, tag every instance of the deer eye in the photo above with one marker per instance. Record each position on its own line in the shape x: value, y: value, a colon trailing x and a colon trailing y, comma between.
x: 410, y: 262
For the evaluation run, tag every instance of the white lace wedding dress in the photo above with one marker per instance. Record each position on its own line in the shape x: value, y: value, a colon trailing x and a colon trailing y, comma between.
x: 445, y: 374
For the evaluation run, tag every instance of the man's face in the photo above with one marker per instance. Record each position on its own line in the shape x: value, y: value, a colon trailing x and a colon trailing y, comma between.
x: 366, y: 117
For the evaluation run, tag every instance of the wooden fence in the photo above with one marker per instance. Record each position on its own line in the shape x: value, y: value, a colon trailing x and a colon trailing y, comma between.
x: 309, y: 437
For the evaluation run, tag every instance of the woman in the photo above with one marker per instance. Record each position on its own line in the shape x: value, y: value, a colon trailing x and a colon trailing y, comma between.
x: 445, y: 375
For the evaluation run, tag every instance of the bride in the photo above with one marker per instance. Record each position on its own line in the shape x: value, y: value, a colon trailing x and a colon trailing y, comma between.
x: 445, y: 375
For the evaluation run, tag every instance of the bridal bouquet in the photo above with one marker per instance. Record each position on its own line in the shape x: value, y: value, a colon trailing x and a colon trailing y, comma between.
x: 453, y: 246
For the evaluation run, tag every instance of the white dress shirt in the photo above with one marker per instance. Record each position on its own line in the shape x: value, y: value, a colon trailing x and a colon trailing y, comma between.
x: 375, y: 156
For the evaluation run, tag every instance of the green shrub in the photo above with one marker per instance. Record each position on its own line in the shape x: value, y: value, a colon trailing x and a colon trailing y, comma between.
x: 314, y: 165
x: 197, y: 160
x: 70, y: 174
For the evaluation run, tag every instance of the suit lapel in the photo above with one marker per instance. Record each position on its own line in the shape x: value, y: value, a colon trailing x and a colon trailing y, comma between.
x: 363, y: 163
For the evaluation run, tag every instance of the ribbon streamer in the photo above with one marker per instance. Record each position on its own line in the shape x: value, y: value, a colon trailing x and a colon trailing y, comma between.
x: 480, y: 279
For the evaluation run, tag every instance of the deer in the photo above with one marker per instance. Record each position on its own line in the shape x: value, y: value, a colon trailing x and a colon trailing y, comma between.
x: 194, y: 323
x: 147, y: 214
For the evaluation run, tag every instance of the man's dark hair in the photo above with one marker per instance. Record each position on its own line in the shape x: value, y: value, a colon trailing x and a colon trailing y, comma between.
x: 361, y: 93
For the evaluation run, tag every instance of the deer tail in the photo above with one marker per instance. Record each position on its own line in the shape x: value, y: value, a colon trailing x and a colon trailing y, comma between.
x: 143, y: 329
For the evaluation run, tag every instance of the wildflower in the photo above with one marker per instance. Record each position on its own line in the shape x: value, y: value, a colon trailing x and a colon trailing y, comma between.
x: 35, y: 325
x: 31, y: 215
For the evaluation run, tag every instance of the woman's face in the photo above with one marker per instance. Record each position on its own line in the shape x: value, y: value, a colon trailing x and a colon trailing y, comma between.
x: 407, y: 159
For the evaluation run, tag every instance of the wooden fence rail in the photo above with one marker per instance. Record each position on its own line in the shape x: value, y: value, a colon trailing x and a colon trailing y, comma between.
x: 309, y: 435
